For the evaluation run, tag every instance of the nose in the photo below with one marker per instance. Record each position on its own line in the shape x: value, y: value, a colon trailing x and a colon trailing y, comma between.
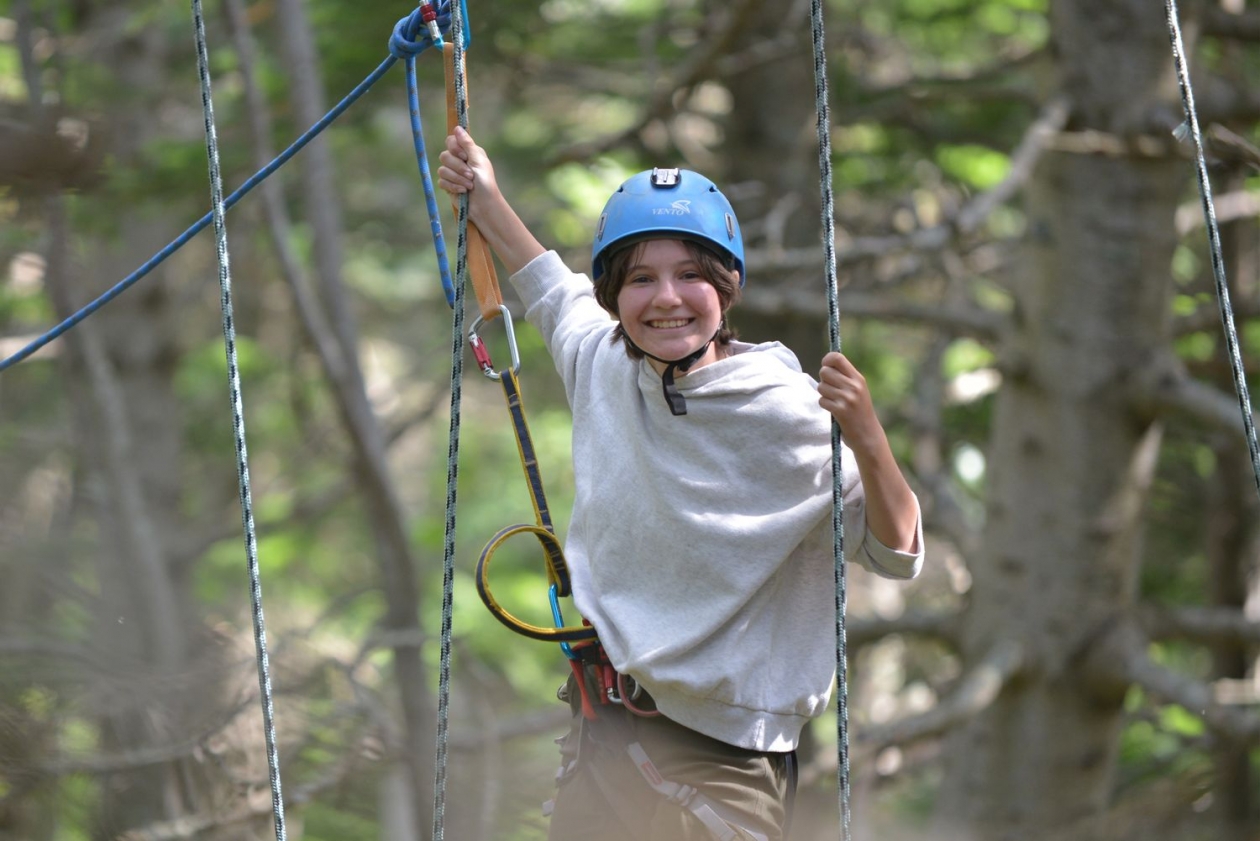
x: 666, y: 293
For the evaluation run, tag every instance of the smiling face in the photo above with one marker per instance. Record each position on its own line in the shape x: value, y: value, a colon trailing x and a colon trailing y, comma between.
x: 666, y: 305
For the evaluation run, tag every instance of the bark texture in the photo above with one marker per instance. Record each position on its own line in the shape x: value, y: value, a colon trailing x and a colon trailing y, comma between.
x: 1069, y: 459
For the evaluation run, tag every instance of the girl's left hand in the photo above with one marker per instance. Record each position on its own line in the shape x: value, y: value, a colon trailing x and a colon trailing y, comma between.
x: 842, y: 391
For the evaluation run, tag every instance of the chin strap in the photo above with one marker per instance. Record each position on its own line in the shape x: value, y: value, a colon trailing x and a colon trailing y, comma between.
x: 673, y: 397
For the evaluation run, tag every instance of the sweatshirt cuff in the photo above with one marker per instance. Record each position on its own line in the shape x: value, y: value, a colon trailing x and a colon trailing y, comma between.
x: 894, y: 563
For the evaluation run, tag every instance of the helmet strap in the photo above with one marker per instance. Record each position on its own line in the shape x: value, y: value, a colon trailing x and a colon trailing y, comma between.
x: 673, y: 397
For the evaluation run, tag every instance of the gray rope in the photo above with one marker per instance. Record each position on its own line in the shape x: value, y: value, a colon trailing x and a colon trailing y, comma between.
x: 837, y: 474
x: 238, y: 421
x: 1214, y: 238
x: 452, y: 460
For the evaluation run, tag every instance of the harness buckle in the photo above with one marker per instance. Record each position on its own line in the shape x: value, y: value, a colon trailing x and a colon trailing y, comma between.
x: 482, y: 354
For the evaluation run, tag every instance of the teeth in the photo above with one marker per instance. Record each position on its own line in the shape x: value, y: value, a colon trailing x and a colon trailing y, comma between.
x: 665, y: 325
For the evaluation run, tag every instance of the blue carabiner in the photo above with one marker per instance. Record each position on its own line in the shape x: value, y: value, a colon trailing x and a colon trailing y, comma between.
x: 554, y: 597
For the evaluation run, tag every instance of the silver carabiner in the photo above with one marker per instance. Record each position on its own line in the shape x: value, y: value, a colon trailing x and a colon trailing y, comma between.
x: 480, y: 352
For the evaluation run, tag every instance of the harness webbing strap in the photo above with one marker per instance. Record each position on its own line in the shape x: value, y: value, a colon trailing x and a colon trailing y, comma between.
x: 557, y: 568
x: 480, y: 261
x: 685, y: 796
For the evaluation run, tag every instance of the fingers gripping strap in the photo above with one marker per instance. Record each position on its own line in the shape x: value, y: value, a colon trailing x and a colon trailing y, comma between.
x: 480, y: 262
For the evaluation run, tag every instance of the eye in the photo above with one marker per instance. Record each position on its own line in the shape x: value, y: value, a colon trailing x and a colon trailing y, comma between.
x: 638, y: 280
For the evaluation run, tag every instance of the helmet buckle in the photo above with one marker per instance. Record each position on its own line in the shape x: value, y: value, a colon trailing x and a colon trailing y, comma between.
x: 665, y: 177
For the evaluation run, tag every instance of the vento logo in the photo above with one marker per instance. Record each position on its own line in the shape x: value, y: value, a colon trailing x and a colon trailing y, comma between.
x: 682, y: 207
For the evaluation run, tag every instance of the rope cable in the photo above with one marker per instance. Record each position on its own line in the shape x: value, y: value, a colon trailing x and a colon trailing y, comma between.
x: 218, y: 211
x: 1214, y: 238
x: 408, y: 40
x: 196, y: 228
x: 837, y: 474
x: 458, y: 27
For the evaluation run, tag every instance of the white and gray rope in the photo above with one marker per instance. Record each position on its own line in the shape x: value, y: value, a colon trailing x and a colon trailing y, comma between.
x: 1214, y: 239
x: 833, y: 313
x: 238, y: 422
x: 440, y: 773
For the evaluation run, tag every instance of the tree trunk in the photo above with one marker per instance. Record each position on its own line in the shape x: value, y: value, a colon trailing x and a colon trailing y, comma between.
x: 384, y: 510
x: 1062, y: 547
x: 777, y: 196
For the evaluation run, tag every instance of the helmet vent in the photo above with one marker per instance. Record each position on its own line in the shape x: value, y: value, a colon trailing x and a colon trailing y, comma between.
x: 603, y: 220
x: 730, y: 226
x: 665, y: 177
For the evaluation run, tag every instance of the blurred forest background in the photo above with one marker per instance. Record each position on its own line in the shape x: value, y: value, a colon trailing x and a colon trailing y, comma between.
x: 1025, y: 283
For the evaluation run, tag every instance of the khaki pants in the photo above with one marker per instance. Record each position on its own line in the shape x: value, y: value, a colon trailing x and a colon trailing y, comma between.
x: 603, y: 796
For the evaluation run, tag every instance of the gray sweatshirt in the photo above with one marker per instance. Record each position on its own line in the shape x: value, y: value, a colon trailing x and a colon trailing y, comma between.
x: 700, y: 546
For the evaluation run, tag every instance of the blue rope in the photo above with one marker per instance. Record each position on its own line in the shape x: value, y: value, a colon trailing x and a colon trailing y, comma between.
x: 407, y: 45
x: 1214, y: 239
x: 430, y: 200
x: 218, y: 211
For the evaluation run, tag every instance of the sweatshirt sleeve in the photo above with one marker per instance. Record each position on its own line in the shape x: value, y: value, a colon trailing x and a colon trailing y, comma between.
x: 862, y: 546
x: 892, y: 563
x: 562, y: 305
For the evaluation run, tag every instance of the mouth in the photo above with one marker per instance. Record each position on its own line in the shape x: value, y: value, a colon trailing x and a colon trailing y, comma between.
x: 669, y: 323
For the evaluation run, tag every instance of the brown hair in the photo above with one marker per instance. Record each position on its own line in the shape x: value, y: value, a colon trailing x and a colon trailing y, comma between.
x: 714, y: 269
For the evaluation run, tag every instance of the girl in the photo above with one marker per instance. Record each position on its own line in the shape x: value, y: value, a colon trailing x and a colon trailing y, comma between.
x: 700, y: 543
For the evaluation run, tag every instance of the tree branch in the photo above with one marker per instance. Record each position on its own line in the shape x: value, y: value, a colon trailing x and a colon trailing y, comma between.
x: 1199, y: 624
x: 981, y: 324
x: 975, y: 692
x: 942, y: 626
x: 1230, y: 207
x: 1219, y: 23
x: 1165, y: 388
x: 1038, y: 137
x: 699, y: 66
x: 1119, y: 660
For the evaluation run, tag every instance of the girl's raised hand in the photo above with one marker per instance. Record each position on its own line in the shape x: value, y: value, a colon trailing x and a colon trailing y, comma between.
x: 464, y: 166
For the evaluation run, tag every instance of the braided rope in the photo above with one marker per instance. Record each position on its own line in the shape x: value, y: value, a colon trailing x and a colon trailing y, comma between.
x: 238, y: 420
x: 837, y: 473
x: 1214, y: 239
x: 458, y: 25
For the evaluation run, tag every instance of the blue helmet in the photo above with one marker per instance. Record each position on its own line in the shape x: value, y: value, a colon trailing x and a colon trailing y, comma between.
x: 667, y: 204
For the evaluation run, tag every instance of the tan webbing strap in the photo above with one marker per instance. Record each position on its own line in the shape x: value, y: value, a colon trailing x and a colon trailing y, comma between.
x: 480, y: 261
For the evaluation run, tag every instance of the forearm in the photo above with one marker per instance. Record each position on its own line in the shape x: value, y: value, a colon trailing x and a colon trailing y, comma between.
x: 512, y: 241
x: 892, y: 514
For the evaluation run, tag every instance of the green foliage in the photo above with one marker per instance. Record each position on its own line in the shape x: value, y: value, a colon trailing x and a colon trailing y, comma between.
x: 326, y: 822
x: 974, y: 165
x: 1165, y: 744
